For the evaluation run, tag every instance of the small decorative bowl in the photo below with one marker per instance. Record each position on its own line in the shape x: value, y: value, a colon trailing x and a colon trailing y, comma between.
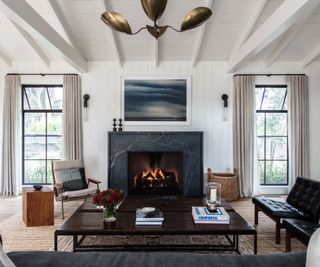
x: 37, y: 187
x: 148, y: 209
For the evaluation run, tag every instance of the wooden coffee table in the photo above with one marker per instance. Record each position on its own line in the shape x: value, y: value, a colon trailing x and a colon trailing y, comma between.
x: 86, y: 222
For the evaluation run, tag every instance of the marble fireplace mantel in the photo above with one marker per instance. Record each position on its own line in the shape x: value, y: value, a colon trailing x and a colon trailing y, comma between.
x: 190, y: 143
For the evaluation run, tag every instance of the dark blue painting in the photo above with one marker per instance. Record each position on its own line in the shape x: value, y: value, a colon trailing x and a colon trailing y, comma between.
x: 155, y: 100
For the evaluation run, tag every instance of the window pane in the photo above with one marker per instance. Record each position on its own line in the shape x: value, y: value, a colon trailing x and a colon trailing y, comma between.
x: 56, y: 94
x: 259, y: 95
x: 54, y: 147
x: 35, y: 147
x: 35, y: 124
x: 260, y: 123
x: 38, y: 97
x: 273, y: 98
x: 261, y: 171
x: 261, y: 147
x: 49, y: 172
x: 54, y: 124
x: 276, y: 124
x: 276, y: 172
x: 35, y: 171
x: 276, y: 148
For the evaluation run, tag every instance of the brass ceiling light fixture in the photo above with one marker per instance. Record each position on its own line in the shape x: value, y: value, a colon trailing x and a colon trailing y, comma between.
x: 154, y: 10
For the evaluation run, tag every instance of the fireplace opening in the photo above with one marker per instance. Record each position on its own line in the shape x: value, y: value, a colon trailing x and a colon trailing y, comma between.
x: 155, y: 173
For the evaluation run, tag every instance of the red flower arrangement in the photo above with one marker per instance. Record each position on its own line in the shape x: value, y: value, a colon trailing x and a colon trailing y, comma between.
x: 110, y: 197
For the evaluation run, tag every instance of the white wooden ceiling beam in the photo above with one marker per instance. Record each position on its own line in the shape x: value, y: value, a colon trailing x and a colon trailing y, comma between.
x: 27, y: 18
x: 115, y: 45
x: 283, y: 43
x: 156, y: 53
x: 249, y: 26
x: 312, y: 56
x: 33, y: 44
x: 279, y: 22
x: 200, y: 38
x: 6, y: 59
x: 60, y: 16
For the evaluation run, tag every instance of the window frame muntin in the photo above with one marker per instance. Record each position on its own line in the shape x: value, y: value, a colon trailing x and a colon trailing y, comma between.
x: 265, y: 136
x: 46, y: 111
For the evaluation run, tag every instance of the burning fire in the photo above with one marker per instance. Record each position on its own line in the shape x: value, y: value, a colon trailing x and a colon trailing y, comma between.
x: 152, y: 178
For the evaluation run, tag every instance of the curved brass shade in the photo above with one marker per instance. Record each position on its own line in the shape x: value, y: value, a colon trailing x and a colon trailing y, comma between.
x: 154, y: 8
x: 157, y: 31
x: 116, y: 21
x: 195, y: 18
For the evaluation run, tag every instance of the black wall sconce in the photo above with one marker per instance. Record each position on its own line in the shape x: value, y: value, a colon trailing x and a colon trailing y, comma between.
x: 225, y: 98
x: 86, y: 98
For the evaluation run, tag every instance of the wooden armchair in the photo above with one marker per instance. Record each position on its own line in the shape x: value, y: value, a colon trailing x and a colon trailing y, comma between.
x: 69, y: 181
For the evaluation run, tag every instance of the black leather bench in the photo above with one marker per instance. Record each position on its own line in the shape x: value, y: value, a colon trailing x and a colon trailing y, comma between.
x: 301, y: 230
x: 302, y: 203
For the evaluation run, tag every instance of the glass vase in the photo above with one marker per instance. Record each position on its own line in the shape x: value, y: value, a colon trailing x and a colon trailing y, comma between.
x: 213, y: 195
x: 109, y: 213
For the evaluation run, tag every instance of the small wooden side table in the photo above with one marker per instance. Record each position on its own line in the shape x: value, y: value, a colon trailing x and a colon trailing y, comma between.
x: 38, y: 206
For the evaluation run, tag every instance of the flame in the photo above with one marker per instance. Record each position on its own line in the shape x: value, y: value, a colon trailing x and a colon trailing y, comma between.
x: 152, y: 175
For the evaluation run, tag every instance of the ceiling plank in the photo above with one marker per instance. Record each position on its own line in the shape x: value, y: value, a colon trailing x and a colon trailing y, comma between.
x: 279, y: 22
x: 27, y: 18
x: 286, y: 39
x: 156, y: 53
x: 6, y: 59
x: 200, y: 38
x: 60, y: 16
x: 248, y: 28
x: 114, y: 41
x: 312, y: 56
x: 33, y: 44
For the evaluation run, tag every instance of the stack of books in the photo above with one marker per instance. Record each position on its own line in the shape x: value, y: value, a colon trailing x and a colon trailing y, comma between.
x: 203, y: 215
x: 154, y: 217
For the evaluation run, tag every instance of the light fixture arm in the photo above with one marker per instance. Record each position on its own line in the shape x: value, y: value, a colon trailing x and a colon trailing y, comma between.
x: 134, y: 33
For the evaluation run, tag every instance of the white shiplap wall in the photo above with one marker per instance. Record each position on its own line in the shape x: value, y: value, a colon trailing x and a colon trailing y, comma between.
x: 209, y: 82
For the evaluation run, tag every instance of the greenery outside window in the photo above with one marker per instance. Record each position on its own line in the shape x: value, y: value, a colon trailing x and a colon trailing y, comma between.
x: 42, y: 131
x: 272, y: 134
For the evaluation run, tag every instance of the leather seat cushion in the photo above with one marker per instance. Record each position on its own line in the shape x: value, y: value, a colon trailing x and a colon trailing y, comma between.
x: 305, y: 196
x: 302, y: 230
x: 280, y: 209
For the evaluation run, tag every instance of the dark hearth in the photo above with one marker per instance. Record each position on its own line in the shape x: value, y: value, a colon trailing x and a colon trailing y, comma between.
x: 155, y: 173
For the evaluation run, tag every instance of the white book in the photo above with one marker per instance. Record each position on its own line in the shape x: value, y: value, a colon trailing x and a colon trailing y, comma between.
x: 148, y: 223
x: 204, y: 215
x: 155, y: 216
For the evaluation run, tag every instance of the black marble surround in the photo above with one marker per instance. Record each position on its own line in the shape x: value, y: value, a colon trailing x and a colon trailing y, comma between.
x: 189, y: 143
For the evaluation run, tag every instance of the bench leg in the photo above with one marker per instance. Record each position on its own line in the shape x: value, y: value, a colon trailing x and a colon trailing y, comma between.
x: 278, y: 231
x: 288, y: 241
x: 256, y: 215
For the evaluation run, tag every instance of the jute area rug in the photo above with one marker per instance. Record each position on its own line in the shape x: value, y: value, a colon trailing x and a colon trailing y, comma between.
x: 18, y: 237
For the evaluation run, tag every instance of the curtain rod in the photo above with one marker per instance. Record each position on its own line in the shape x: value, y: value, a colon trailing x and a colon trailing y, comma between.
x: 42, y: 74
x: 268, y: 74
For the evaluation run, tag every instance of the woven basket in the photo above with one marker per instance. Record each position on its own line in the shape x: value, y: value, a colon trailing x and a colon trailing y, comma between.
x: 229, y: 184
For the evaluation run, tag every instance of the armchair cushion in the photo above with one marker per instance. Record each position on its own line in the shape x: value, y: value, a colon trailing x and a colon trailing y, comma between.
x: 80, y: 193
x: 73, y: 179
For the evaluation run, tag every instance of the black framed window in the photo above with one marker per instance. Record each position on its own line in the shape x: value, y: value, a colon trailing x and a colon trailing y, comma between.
x: 42, y: 131
x: 272, y: 134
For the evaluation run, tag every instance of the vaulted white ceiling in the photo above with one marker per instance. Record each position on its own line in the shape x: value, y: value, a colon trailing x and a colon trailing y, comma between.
x: 78, y: 22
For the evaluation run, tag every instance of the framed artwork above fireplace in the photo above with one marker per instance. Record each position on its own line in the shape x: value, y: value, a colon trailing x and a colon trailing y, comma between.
x: 156, y: 100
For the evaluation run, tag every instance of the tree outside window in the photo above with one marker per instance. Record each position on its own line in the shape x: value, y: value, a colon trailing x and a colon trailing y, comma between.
x: 272, y: 134
x: 42, y: 131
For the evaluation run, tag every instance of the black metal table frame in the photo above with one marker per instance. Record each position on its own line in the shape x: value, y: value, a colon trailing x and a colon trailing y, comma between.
x: 77, y: 243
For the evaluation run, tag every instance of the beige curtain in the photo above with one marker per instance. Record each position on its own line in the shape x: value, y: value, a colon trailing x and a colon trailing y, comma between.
x: 72, y: 117
x: 298, y: 110
x: 8, y: 176
x: 244, y: 132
